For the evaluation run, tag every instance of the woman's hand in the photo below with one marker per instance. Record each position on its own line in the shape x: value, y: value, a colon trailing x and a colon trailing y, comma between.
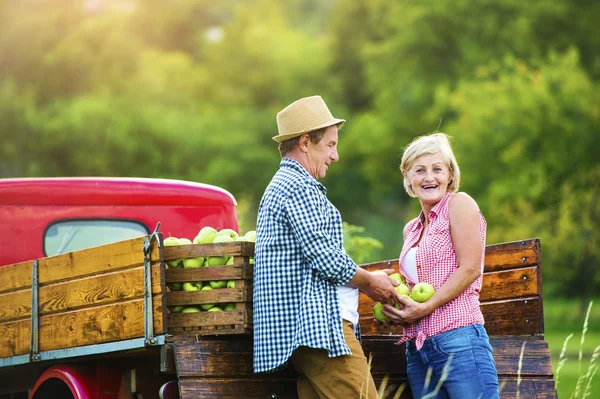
x: 409, y: 312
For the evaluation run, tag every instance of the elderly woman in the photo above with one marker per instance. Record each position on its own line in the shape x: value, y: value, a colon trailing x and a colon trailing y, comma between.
x: 443, y: 246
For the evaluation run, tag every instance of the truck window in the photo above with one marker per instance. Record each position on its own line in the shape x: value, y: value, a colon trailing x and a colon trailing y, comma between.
x: 73, y: 235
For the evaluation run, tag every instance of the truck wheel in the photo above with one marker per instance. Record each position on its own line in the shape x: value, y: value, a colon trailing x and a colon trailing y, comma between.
x: 53, y: 388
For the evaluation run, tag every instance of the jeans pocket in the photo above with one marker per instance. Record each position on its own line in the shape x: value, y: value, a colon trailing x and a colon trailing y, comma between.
x: 455, y: 344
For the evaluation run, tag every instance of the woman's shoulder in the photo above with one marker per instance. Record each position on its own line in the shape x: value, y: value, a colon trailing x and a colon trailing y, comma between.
x: 462, y: 202
x: 409, y: 225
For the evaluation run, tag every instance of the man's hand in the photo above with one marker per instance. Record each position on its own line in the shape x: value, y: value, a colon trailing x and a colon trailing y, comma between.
x: 376, y: 285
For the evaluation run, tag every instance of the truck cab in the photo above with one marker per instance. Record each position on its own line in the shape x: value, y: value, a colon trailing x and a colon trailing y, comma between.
x: 42, y: 217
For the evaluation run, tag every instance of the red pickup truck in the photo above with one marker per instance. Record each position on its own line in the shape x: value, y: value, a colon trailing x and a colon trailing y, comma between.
x: 44, y: 217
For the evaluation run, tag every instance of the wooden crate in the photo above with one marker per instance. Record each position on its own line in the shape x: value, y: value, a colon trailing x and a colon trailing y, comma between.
x: 238, y: 321
x: 85, y: 297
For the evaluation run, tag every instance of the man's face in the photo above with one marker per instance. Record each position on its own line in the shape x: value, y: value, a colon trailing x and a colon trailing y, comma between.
x: 322, y: 154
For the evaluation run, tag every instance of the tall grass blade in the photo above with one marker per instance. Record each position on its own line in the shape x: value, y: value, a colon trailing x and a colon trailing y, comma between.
x: 581, y: 378
x: 591, y: 372
x: 562, y: 359
x: 445, y: 372
x: 519, y: 370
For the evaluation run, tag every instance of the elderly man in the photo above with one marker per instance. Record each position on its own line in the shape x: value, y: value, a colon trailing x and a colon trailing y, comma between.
x: 305, y: 286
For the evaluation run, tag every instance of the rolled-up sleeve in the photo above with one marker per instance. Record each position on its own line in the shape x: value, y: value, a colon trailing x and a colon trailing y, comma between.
x: 310, y: 213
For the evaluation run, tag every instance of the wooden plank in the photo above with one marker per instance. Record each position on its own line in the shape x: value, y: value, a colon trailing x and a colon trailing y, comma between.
x: 221, y: 295
x: 506, y: 317
x: 75, y: 294
x: 512, y: 255
x: 238, y: 248
x: 513, y: 283
x: 77, y: 264
x: 111, y: 257
x: 389, y: 358
x: 527, y: 388
x: 88, y: 326
x: 235, y: 272
x: 236, y: 388
x: 505, y: 256
x: 16, y: 276
x: 204, y: 319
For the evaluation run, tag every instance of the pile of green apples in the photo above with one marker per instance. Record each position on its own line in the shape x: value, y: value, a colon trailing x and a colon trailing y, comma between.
x: 206, y: 235
x: 421, y: 292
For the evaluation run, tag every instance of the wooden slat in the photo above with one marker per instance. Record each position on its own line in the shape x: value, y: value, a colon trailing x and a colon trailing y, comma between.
x: 77, y: 264
x: 527, y: 388
x: 389, y: 358
x: 75, y: 294
x: 243, y: 271
x: 512, y: 255
x: 513, y: 283
x: 236, y: 388
x: 239, y: 248
x: 204, y: 319
x: 107, y: 323
x: 16, y: 276
x: 221, y: 295
x: 514, y: 317
x: 506, y: 317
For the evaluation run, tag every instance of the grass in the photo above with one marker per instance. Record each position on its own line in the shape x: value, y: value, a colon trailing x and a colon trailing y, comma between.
x: 574, y: 341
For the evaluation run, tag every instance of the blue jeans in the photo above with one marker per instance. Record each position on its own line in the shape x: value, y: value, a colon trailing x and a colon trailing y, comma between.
x: 461, y: 364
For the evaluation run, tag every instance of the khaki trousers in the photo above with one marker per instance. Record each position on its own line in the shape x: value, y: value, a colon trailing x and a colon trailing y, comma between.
x: 344, y: 377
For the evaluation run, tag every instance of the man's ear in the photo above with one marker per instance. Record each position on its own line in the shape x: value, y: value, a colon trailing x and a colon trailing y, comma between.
x: 304, y: 142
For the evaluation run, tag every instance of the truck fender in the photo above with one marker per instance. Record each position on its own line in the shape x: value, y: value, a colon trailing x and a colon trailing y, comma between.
x: 65, y: 382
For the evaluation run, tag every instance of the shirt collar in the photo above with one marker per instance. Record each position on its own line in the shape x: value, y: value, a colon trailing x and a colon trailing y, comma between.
x: 295, y: 166
x: 435, y: 211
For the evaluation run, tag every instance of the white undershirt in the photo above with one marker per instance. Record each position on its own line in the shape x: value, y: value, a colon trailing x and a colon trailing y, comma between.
x: 348, y: 302
x: 409, y: 264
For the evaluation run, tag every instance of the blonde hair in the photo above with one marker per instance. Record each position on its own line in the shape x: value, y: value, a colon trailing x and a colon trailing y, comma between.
x: 433, y: 143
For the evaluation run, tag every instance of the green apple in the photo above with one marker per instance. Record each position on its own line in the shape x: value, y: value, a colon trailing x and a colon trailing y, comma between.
x: 175, y: 286
x: 215, y: 309
x: 251, y: 235
x: 191, y: 262
x: 422, y: 292
x: 229, y: 232
x: 192, y: 286
x: 219, y: 260
x: 218, y: 284
x: 171, y: 242
x: 398, y: 277
x: 397, y: 305
x: 230, y: 261
x: 207, y: 306
x: 229, y: 307
x: 402, y: 289
x: 231, y: 284
x: 377, y: 308
x: 176, y: 309
x: 206, y: 235
x: 190, y: 309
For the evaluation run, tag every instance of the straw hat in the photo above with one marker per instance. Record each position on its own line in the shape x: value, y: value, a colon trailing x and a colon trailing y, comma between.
x: 304, y: 116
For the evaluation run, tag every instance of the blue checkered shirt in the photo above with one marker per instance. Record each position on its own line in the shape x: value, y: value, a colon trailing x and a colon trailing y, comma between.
x: 299, y: 262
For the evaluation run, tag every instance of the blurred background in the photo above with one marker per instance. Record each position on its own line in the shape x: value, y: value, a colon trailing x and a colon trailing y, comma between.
x: 190, y: 89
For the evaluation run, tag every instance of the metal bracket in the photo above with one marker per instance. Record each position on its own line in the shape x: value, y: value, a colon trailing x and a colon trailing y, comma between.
x: 34, y: 343
x: 149, y: 339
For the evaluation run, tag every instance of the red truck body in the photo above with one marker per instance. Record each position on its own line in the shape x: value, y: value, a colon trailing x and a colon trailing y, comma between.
x: 36, y: 213
x: 42, y: 217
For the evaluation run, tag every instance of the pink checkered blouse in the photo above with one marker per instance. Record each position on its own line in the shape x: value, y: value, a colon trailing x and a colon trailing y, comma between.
x: 436, y: 261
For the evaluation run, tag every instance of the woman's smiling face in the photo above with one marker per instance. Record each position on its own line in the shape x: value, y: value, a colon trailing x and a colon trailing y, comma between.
x: 429, y: 177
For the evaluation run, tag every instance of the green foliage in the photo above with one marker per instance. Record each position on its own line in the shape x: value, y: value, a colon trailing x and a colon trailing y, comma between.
x: 357, y: 246
x: 190, y: 89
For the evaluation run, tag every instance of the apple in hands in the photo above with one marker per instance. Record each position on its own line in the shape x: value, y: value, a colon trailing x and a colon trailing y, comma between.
x: 422, y: 292
x: 377, y: 312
